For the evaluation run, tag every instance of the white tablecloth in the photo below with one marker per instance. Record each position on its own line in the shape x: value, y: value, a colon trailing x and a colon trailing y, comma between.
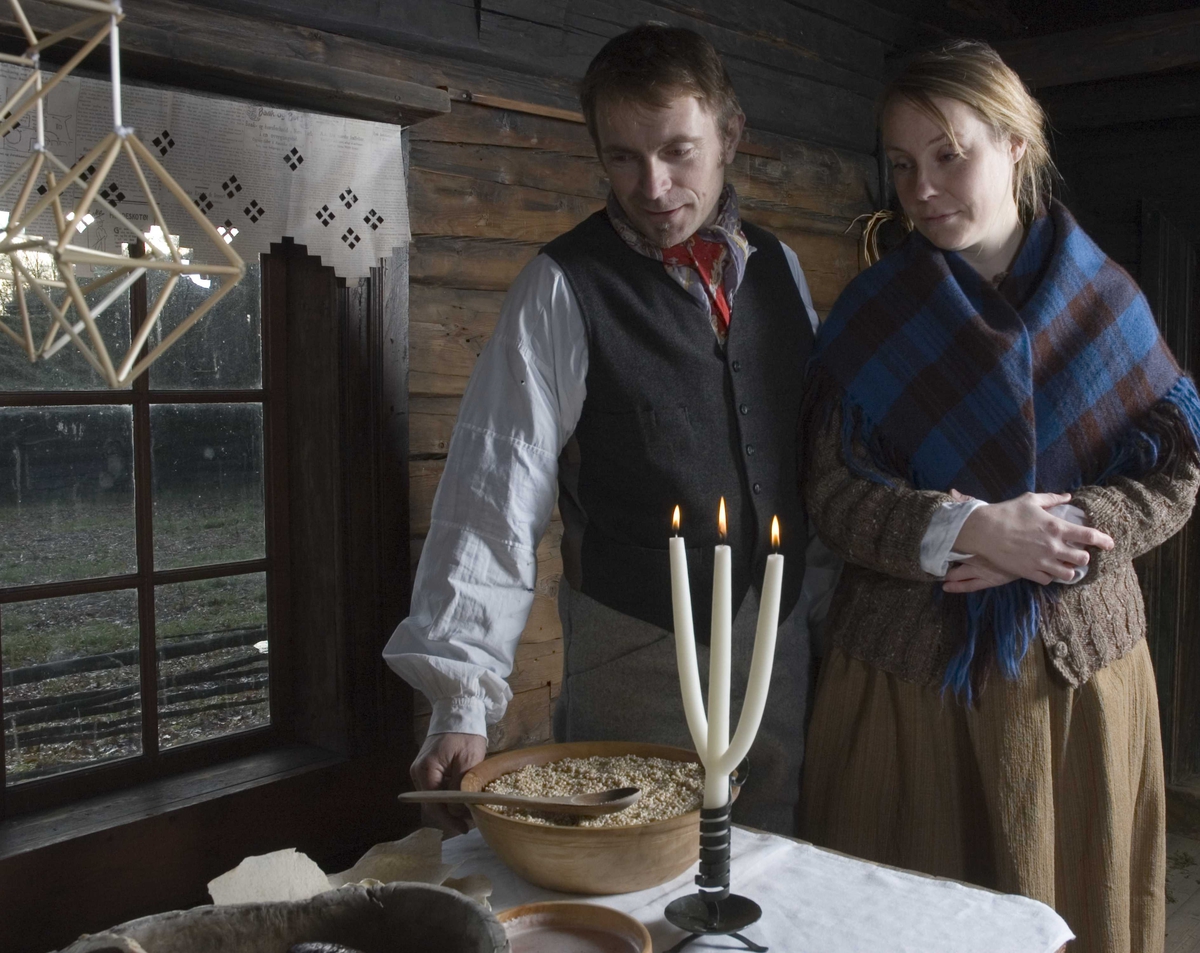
x: 815, y: 901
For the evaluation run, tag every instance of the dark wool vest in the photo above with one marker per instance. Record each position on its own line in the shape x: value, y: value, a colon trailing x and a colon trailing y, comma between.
x: 672, y: 417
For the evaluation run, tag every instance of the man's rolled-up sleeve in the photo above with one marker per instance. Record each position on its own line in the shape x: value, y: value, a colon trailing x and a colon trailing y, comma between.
x: 475, y: 579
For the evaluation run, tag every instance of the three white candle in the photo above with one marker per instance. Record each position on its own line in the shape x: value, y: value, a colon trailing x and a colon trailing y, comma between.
x: 711, y: 736
x: 720, y: 652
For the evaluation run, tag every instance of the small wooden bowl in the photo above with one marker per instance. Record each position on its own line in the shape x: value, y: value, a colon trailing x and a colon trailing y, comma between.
x: 591, y: 860
x: 568, y: 915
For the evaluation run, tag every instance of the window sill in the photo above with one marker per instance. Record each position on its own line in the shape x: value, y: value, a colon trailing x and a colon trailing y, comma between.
x: 96, y: 815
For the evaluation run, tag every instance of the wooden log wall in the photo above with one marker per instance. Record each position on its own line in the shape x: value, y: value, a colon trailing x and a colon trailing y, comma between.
x: 488, y: 187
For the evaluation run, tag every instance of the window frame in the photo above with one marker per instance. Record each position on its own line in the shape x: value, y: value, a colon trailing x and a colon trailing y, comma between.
x: 152, y: 763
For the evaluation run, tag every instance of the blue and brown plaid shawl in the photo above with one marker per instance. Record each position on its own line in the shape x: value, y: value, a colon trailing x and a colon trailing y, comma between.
x: 1043, y: 384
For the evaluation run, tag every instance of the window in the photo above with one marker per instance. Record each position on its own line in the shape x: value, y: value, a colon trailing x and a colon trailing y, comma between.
x: 136, y: 575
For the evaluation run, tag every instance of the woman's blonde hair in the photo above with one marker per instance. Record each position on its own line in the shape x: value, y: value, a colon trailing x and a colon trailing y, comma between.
x: 973, y: 73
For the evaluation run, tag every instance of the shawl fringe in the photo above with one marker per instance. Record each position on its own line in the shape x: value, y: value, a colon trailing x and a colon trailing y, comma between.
x: 1166, y: 431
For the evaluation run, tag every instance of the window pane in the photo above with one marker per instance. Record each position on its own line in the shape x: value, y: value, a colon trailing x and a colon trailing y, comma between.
x: 212, y: 658
x: 66, y: 493
x: 67, y: 369
x: 208, y: 483
x: 223, y: 350
x: 71, y: 695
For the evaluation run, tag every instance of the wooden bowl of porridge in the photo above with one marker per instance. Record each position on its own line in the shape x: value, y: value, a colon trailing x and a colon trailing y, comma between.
x: 613, y: 858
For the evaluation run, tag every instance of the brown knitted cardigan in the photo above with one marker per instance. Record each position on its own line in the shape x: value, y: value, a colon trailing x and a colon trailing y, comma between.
x: 882, y: 612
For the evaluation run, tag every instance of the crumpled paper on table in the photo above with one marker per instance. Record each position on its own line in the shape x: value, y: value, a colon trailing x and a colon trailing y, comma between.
x: 291, y: 875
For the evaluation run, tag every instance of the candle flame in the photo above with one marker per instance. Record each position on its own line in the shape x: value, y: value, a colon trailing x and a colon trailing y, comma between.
x: 675, y: 521
x: 721, y: 524
x: 775, y: 532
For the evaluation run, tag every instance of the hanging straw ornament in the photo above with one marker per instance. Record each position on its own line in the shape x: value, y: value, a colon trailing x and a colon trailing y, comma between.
x: 162, y: 252
x: 18, y: 247
x: 104, y: 18
x: 16, y: 243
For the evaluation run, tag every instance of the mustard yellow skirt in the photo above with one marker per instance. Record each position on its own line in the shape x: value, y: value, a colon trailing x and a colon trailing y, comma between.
x: 1042, y: 790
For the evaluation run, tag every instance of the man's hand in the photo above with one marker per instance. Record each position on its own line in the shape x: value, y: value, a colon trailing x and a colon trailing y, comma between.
x: 440, y: 765
x: 1019, y: 538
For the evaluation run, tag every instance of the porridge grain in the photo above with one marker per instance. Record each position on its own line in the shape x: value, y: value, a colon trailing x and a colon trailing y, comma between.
x: 669, y: 788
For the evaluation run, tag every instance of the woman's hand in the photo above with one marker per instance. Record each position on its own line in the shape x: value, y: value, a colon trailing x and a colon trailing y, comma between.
x: 1019, y: 538
x: 975, y: 574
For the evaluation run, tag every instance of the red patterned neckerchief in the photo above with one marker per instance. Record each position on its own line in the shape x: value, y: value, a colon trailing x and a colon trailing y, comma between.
x: 708, y: 258
x: 709, y: 266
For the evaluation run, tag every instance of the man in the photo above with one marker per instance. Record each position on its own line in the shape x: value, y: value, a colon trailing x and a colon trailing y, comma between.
x: 652, y: 356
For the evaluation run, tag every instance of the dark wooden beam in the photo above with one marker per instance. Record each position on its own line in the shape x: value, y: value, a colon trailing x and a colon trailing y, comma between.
x: 181, y: 45
x: 915, y: 23
x: 1115, y: 101
x: 400, y: 51
x: 799, y: 72
x: 1143, y: 45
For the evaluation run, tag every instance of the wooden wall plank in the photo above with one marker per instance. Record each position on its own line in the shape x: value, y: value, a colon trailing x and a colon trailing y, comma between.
x: 797, y: 46
x: 543, y: 624
x: 927, y: 21
x: 536, y: 168
x: 423, y: 384
x: 445, y: 350
x: 792, y: 38
x: 423, y: 477
x: 431, y: 421
x: 449, y: 329
x: 537, y: 664
x: 1130, y: 99
x: 487, y: 265
x: 466, y: 307
x: 824, y: 186
x: 829, y: 262
x: 809, y: 31
x: 550, y: 558
x: 813, y: 178
x: 441, y: 204
x: 1146, y: 44
x: 527, y: 721
x: 469, y: 124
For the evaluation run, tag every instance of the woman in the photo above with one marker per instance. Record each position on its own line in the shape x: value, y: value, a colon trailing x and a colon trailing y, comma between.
x: 994, y: 430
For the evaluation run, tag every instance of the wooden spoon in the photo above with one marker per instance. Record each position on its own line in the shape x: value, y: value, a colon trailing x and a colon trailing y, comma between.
x: 602, y: 802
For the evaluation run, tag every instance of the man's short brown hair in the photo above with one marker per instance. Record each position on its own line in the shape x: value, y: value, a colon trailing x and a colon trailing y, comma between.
x: 652, y: 65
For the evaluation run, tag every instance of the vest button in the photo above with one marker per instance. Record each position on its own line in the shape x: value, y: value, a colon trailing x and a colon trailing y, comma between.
x: 736, y: 365
x: 745, y: 408
x: 749, y: 449
x: 1059, y: 650
x: 757, y: 487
